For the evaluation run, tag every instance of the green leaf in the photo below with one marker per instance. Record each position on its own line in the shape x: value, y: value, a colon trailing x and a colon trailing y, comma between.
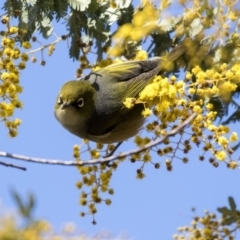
x: 232, y: 203
x: 45, y: 26
x: 79, y: 5
x: 195, y: 27
x: 123, y: 3
x: 233, y: 118
x: 61, y: 9
x: 31, y: 2
x: 74, y: 50
x: 224, y: 210
x: 166, y: 24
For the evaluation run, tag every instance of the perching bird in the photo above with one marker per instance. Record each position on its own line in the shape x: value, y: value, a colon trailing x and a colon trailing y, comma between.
x: 92, y: 108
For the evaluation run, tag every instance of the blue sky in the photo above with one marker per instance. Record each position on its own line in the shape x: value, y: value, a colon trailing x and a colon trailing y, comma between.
x: 151, y: 208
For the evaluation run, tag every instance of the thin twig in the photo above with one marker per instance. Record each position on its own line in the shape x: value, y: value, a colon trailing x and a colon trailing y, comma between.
x: 97, y: 161
x: 44, y: 46
x: 13, y: 166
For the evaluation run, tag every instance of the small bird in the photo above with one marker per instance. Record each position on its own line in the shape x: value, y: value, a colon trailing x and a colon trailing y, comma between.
x: 93, y: 109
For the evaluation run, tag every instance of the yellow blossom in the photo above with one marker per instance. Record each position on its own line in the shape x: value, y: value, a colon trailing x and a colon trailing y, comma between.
x: 233, y: 137
x: 232, y: 165
x: 191, y: 91
x: 173, y: 78
x: 197, y: 109
x: 146, y: 112
x: 139, y: 141
x: 141, y: 55
x: 13, y: 30
x: 209, y: 106
x: 196, y: 70
x: 147, y: 157
x: 222, y: 141
x: 232, y: 16
x: 221, y: 155
x: 129, y: 102
x: 224, y: 129
x: 149, y: 92
x: 188, y: 76
x: 5, y: 19
x: 212, y: 127
x: 24, y: 57
x: 26, y: 45
x: 95, y: 154
x: 182, y: 102
x: 223, y: 67
x: 21, y: 65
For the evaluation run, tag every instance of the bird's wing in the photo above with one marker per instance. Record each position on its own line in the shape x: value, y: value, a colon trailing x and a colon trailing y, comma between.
x: 117, y: 82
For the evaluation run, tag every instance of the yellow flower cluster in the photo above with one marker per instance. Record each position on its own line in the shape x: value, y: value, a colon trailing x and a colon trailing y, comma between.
x: 143, y: 23
x: 11, y: 61
x: 165, y: 95
x: 209, y: 226
x: 96, y: 177
x: 221, y: 82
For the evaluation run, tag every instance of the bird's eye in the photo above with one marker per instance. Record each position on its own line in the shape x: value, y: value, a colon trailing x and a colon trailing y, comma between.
x: 80, y: 102
x: 60, y: 101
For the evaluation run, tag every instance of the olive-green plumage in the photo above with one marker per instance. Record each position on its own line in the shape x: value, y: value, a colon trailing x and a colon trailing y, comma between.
x: 92, y: 108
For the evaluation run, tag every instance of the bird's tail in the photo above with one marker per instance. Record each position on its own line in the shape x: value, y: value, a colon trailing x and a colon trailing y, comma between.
x: 167, y: 63
x: 177, y: 52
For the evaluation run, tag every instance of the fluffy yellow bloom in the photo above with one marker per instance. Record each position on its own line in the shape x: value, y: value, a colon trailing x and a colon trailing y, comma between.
x: 149, y: 92
x: 200, y: 77
x: 224, y: 129
x: 5, y: 76
x: 231, y: 86
x: 188, y: 76
x: 212, y: 127
x: 191, y: 91
x: 182, y: 102
x: 139, y: 141
x: 146, y: 112
x: 163, y: 106
x: 24, y: 57
x: 8, y: 42
x: 141, y: 55
x: 196, y: 70
x: 223, y: 141
x: 95, y: 154
x: 16, y: 122
x: 233, y: 16
x: 221, y: 155
x: 197, y: 109
x: 233, y: 137
x: 209, y: 106
x: 129, y: 102
x: 13, y: 30
x: 21, y: 65
x: 26, y: 45
x: 223, y: 67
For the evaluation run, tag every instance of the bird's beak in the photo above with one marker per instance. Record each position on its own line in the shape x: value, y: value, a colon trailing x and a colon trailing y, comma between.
x: 64, y: 105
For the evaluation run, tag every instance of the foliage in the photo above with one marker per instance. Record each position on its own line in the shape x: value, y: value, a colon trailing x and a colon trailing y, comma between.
x: 210, y: 226
x: 203, y: 83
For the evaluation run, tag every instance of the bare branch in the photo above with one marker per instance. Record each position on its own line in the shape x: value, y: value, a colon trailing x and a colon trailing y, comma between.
x: 13, y: 166
x: 44, y: 46
x: 107, y: 159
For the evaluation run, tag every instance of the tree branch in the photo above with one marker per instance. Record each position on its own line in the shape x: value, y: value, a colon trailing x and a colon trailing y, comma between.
x: 45, y: 46
x: 13, y: 166
x: 102, y: 160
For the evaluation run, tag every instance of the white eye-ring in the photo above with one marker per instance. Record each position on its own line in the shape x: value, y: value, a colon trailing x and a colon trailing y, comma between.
x: 80, y: 102
x: 60, y: 101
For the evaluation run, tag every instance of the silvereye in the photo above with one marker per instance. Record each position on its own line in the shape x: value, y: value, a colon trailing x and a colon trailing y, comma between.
x: 92, y: 108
